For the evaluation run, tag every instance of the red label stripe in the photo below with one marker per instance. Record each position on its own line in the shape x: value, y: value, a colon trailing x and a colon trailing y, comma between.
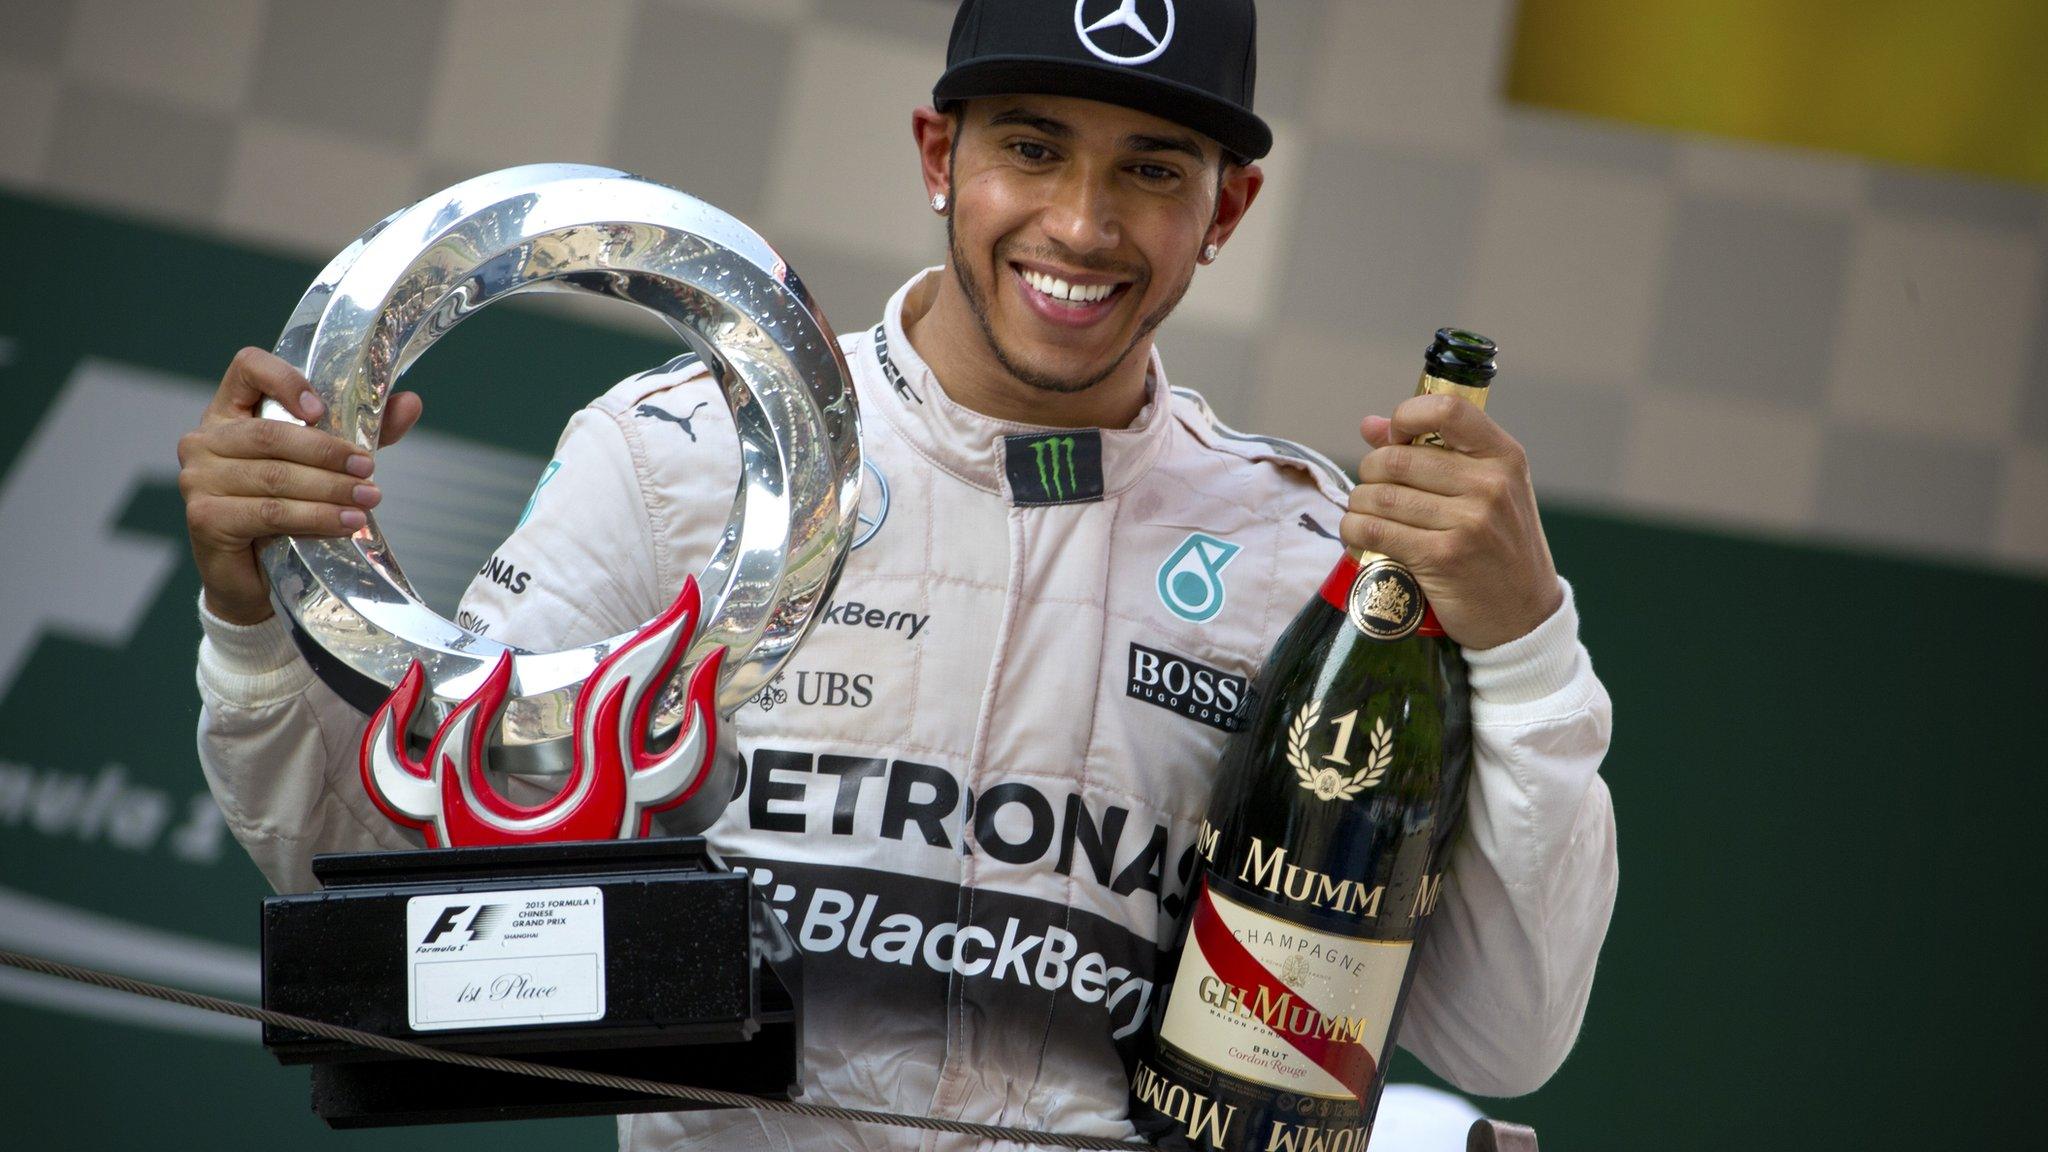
x: 1347, y: 1060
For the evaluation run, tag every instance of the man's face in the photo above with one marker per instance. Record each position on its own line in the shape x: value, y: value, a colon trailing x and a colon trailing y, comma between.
x: 1074, y: 230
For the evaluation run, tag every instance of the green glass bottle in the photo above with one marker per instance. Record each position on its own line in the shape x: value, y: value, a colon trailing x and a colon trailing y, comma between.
x: 1320, y: 863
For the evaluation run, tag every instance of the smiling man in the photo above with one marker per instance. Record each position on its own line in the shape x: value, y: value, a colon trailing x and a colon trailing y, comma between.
x: 1075, y: 228
x: 974, y: 793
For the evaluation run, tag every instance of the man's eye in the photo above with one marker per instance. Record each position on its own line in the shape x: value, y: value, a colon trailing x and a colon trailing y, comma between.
x: 1156, y: 172
x: 1032, y: 150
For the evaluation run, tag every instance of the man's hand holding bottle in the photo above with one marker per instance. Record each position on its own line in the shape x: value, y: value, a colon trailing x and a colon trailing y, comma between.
x: 1461, y: 517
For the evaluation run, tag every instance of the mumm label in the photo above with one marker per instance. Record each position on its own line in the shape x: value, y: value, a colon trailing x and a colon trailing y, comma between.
x: 1197, y: 1115
x: 1284, y: 1013
x: 1268, y: 868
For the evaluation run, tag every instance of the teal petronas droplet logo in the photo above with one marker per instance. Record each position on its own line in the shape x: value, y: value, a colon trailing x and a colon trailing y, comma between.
x: 1191, y: 579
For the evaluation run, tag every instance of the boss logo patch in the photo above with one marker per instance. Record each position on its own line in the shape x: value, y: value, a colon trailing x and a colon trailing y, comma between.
x: 1186, y: 687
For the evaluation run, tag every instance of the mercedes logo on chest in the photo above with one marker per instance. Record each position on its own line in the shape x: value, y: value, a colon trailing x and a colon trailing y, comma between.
x: 874, y: 504
x: 1148, y: 25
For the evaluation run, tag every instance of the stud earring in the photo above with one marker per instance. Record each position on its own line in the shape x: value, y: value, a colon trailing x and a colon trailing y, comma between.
x: 938, y: 201
x: 1209, y: 253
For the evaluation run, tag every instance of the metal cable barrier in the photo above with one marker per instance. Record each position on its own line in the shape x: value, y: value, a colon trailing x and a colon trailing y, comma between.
x: 653, y: 1088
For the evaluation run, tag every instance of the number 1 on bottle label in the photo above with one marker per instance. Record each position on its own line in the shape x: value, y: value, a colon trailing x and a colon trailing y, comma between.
x: 1344, y: 725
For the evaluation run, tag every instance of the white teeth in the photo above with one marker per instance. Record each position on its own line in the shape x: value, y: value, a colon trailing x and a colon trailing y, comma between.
x: 1061, y: 290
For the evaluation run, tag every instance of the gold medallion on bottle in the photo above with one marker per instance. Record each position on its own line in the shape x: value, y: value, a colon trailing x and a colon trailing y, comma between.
x: 1386, y: 603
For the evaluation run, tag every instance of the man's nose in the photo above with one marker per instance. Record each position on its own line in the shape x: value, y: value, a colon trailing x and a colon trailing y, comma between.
x: 1083, y: 213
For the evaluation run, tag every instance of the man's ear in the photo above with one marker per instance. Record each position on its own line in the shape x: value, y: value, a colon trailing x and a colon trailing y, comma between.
x: 1240, y: 186
x: 934, y: 131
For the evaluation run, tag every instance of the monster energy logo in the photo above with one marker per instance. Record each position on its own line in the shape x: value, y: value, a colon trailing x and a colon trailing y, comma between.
x: 1047, y: 453
x: 1063, y: 468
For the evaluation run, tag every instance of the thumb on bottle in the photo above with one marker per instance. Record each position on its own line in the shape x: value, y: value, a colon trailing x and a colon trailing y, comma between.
x: 1375, y: 429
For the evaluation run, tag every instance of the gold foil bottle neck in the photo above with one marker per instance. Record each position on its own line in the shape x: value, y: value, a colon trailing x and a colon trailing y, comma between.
x: 1438, y: 386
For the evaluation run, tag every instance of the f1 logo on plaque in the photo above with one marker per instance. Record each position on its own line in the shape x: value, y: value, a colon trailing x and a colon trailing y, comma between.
x: 576, y: 893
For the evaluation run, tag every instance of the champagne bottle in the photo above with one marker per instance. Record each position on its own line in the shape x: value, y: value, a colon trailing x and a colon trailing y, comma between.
x: 1320, y: 862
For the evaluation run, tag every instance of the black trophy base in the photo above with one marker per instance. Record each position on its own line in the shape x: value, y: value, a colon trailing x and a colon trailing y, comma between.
x: 701, y: 984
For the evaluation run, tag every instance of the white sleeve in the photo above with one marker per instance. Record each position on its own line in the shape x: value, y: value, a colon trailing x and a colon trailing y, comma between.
x: 1508, y: 968
x: 279, y: 749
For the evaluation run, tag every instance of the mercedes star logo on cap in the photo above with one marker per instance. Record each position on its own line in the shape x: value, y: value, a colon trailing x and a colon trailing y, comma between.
x: 1158, y: 34
x: 1191, y: 62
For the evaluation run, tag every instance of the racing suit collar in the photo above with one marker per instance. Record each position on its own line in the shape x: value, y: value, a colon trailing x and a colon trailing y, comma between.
x: 970, y: 446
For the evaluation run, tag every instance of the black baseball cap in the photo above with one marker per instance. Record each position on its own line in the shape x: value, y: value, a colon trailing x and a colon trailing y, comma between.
x: 1193, y: 62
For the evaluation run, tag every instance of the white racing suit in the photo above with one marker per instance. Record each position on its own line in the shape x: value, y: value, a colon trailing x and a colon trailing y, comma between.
x: 974, y: 792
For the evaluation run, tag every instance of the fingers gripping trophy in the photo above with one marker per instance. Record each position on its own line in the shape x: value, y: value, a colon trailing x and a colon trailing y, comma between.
x: 642, y: 942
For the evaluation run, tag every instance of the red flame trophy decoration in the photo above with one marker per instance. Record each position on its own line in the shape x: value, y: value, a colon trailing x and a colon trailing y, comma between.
x: 616, y: 785
x: 585, y: 928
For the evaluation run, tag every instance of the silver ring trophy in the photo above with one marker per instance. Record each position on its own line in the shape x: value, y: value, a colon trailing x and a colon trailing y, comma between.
x: 673, y: 963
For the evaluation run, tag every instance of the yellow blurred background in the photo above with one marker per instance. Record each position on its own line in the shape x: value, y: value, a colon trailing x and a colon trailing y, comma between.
x: 1959, y: 85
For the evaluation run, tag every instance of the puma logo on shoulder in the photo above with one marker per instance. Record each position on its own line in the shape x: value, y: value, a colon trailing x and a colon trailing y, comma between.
x: 1309, y: 522
x: 652, y: 413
